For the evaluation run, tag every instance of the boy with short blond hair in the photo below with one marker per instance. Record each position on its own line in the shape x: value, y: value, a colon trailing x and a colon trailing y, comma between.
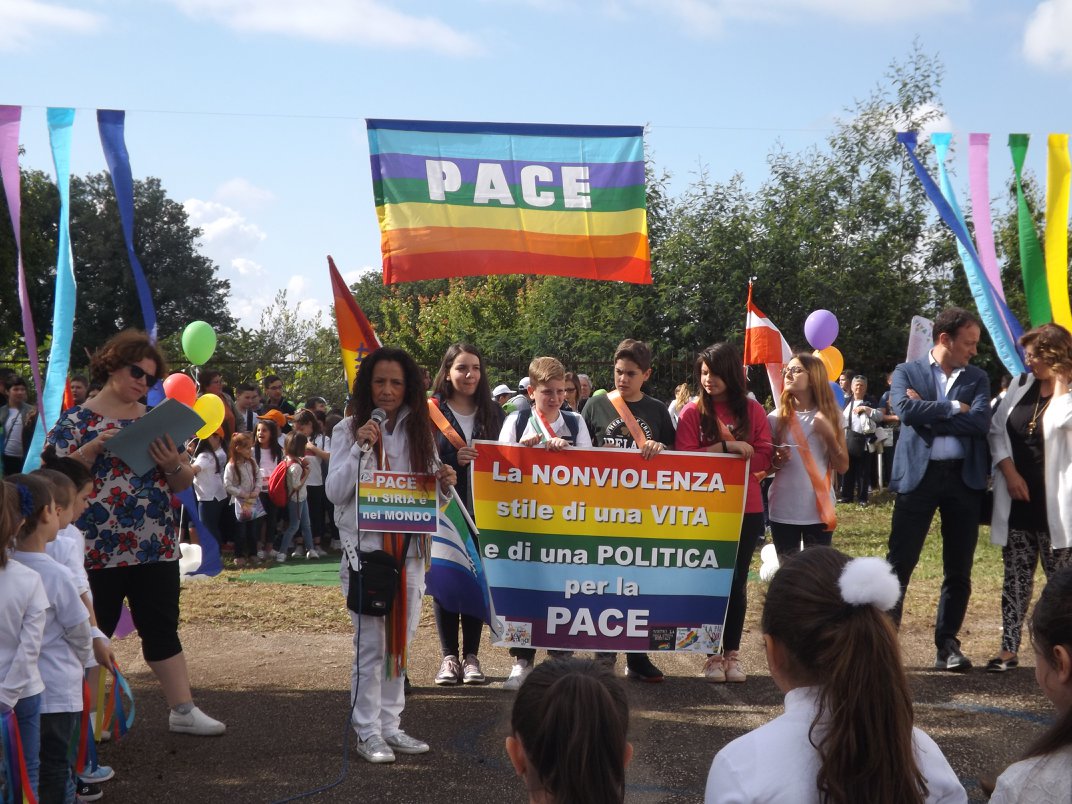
x: 608, y: 427
x: 529, y: 428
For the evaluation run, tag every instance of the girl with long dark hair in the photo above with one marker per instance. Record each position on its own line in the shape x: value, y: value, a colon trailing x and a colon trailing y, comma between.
x: 723, y: 419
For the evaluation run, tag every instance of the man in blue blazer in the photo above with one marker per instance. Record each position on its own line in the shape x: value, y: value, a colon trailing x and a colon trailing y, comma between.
x: 941, y: 464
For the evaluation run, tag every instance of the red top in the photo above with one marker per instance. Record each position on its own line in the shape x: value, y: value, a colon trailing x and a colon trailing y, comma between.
x: 690, y: 438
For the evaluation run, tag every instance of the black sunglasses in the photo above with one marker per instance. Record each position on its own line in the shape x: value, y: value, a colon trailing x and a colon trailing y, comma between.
x: 138, y: 373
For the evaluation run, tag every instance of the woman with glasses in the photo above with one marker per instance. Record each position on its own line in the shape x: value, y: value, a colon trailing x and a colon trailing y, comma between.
x: 130, y: 528
x: 573, y: 392
x: 723, y: 419
x: 809, y: 449
x: 1031, y: 447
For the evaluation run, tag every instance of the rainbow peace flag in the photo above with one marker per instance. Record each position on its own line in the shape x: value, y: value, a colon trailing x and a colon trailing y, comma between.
x: 465, y: 199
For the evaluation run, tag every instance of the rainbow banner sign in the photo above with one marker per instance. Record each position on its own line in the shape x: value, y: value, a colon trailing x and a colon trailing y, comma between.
x: 471, y: 199
x: 599, y: 549
x: 397, y: 502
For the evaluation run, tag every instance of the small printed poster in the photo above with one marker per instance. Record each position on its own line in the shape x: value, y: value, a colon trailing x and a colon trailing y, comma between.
x: 397, y: 502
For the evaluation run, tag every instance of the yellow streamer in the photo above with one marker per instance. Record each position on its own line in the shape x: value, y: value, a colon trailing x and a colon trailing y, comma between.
x: 1058, y: 171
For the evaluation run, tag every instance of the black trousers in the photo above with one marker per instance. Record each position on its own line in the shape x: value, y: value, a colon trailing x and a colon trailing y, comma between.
x: 942, y: 489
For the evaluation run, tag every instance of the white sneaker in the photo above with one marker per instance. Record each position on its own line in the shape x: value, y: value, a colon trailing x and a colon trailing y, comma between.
x: 714, y: 670
x: 450, y: 672
x: 195, y: 722
x: 402, y: 743
x: 375, y: 750
x: 518, y: 673
x: 312, y: 555
x: 260, y: 555
x: 471, y: 672
x: 734, y: 673
x: 280, y: 557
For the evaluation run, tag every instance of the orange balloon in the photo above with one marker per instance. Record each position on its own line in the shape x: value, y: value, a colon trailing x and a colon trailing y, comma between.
x: 833, y: 360
x: 181, y: 388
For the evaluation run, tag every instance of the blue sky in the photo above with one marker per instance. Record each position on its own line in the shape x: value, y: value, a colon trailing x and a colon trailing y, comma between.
x: 251, y: 111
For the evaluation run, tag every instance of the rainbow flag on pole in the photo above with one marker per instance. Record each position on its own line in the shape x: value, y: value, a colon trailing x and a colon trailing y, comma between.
x: 466, y: 199
x: 356, y: 336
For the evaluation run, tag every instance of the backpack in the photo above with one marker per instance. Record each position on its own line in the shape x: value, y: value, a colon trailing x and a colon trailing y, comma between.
x: 573, y: 422
x: 277, y: 484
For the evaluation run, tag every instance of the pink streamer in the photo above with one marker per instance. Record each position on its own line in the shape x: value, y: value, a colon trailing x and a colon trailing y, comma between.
x: 979, y: 172
x: 10, y: 117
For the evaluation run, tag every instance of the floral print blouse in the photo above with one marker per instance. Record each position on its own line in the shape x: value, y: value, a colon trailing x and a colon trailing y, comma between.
x: 129, y: 519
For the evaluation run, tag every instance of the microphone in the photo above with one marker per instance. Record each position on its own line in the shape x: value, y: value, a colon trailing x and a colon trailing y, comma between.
x: 378, y: 416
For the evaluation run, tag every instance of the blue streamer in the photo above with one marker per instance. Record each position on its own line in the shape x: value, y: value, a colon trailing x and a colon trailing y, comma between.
x: 60, y: 123
x: 995, y: 314
x: 111, y: 123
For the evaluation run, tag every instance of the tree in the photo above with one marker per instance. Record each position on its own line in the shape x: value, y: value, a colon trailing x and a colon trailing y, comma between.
x: 184, y: 284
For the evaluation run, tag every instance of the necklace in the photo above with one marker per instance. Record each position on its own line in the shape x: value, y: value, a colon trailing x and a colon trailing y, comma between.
x: 1033, y: 424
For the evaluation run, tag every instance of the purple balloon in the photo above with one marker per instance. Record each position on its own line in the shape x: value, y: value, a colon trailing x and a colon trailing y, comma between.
x: 839, y: 395
x: 821, y: 329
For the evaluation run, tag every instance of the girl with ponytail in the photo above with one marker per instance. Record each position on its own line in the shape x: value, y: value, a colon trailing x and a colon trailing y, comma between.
x: 569, y: 727
x: 846, y: 734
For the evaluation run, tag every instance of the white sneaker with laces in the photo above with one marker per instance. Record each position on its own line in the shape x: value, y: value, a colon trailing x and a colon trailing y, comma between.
x: 471, y: 672
x: 734, y: 673
x: 260, y: 555
x: 714, y: 669
x: 402, y: 743
x: 375, y: 750
x: 450, y: 672
x: 195, y: 722
x: 518, y: 673
x: 312, y: 555
x: 281, y: 557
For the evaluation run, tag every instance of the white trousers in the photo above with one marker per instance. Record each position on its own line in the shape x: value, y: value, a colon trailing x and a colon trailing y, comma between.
x: 380, y: 701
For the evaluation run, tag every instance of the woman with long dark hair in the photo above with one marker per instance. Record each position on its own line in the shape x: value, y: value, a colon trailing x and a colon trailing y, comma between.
x: 723, y: 419
x: 462, y: 394
x: 390, y: 381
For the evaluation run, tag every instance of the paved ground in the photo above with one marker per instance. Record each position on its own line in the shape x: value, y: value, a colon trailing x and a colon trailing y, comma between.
x: 284, y: 698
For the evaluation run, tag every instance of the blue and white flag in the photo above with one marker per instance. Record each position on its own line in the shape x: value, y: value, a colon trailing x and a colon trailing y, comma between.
x: 456, y: 578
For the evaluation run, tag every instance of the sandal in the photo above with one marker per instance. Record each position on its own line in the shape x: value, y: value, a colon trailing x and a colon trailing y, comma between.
x: 1000, y: 665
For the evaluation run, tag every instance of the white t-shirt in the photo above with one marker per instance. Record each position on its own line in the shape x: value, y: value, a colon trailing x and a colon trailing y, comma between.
x: 13, y: 432
x: 23, y: 604
x: 69, y: 549
x: 742, y: 770
x: 558, y: 426
x: 792, y: 497
x: 208, y: 483
x: 466, y: 421
x: 316, y: 467
x: 267, y: 464
x: 67, y: 643
x: 1038, y: 780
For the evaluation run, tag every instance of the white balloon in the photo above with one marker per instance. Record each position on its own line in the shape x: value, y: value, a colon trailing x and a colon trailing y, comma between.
x: 190, y: 559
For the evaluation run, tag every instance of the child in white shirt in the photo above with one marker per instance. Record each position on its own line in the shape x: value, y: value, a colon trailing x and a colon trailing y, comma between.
x: 297, y: 498
x: 242, y: 480
x: 22, y: 624
x: 847, y: 734
x: 67, y: 642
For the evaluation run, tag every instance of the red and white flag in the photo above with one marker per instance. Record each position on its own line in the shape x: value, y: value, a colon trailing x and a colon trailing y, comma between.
x: 763, y: 343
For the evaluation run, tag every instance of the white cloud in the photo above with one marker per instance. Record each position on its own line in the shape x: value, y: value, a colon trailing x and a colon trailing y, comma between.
x: 368, y: 22
x: 710, y: 17
x: 221, y: 226
x: 1048, y: 35
x: 24, y: 21
x: 247, y: 267
x: 349, y: 277
x: 295, y: 285
x: 243, y: 193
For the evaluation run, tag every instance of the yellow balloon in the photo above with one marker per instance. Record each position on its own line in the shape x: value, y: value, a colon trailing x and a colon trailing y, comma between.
x: 210, y: 409
x: 833, y: 360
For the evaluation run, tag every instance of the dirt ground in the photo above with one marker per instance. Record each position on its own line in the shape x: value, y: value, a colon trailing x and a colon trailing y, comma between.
x: 284, y: 699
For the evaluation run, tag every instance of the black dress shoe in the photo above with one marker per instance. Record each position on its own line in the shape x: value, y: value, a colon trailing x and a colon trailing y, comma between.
x: 950, y: 658
x: 639, y: 666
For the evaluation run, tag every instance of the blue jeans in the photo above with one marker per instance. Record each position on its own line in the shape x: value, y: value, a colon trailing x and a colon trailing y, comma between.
x: 58, y: 731
x: 28, y: 716
x: 298, y: 514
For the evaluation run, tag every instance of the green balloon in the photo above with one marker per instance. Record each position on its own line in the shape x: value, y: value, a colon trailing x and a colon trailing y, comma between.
x: 600, y: 392
x: 198, y: 342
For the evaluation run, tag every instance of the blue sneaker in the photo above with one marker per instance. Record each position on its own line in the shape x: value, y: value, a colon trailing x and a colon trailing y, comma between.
x: 102, y: 773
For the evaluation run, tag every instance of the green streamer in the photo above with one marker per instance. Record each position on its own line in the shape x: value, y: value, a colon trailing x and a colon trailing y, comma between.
x: 1032, y: 264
